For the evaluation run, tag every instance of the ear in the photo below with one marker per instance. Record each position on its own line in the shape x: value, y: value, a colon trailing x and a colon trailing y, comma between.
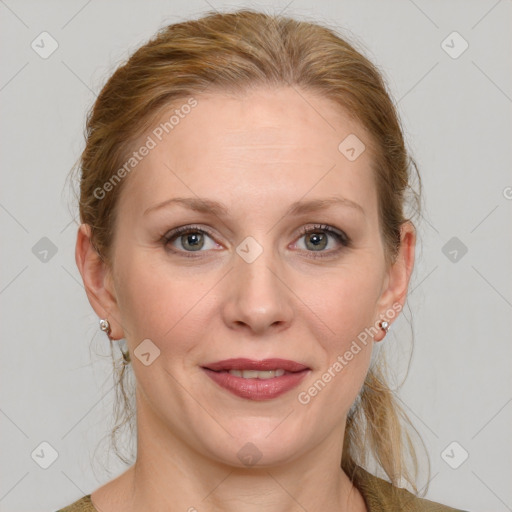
x: 98, y: 283
x: 398, y: 276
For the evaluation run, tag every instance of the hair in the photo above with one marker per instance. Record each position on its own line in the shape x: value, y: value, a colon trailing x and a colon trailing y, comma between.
x: 233, y: 52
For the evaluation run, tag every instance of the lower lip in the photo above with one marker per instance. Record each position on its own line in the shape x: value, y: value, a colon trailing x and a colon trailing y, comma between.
x: 257, y: 389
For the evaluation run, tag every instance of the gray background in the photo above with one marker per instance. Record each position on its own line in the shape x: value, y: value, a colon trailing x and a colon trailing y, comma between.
x: 56, y: 383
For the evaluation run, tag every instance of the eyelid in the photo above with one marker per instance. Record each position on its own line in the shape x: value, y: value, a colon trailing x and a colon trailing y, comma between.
x: 184, y: 229
x: 328, y: 228
x: 188, y: 228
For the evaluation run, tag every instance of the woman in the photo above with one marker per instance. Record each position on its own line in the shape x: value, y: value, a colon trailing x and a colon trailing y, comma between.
x: 242, y: 205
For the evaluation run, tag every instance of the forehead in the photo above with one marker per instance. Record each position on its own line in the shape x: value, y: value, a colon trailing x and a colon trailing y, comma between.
x: 258, y: 147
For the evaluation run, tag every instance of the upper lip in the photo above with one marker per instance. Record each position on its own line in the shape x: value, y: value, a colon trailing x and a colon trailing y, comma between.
x: 241, y: 363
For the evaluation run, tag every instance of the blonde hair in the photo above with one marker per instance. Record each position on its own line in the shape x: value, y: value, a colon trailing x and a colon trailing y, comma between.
x: 233, y: 52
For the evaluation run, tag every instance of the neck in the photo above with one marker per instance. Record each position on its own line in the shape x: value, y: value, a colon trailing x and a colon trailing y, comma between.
x: 171, y: 475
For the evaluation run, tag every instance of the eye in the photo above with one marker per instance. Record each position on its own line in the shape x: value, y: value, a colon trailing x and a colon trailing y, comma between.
x: 188, y: 239
x: 317, y: 239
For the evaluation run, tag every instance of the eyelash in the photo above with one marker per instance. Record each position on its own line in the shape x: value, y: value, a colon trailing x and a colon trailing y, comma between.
x: 340, y: 237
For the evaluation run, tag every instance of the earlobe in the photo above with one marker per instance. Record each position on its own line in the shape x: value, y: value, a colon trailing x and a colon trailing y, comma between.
x: 96, y: 276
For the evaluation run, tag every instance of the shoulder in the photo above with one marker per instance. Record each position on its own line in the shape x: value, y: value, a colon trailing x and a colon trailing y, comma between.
x: 381, y: 496
x: 82, y: 505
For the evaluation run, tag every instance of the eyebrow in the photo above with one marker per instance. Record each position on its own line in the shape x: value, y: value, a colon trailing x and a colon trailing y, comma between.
x: 205, y: 205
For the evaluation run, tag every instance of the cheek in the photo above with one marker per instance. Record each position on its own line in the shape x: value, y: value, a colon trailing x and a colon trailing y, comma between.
x: 346, y: 301
x: 170, y: 306
x: 347, y: 306
x: 157, y: 303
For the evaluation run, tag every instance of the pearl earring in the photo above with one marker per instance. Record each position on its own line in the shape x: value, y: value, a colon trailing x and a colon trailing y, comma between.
x: 384, y: 325
x: 105, y: 326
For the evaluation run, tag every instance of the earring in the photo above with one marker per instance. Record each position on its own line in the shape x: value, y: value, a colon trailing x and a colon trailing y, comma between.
x: 105, y: 326
x: 384, y: 325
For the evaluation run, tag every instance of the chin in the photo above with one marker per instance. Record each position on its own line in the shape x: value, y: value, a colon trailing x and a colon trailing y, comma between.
x: 259, y: 445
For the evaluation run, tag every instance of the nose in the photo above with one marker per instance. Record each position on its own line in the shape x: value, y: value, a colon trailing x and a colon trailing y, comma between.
x: 258, y: 298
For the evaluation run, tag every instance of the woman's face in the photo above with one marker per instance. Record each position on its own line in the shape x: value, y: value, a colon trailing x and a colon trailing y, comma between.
x: 243, y: 281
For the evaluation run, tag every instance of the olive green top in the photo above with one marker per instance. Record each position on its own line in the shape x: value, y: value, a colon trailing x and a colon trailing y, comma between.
x: 379, y: 496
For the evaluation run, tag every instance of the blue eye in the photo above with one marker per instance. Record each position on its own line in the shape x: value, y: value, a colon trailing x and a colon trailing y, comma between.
x: 317, y: 239
x: 192, y: 240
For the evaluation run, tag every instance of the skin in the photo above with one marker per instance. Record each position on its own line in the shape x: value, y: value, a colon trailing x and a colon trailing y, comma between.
x: 256, y: 153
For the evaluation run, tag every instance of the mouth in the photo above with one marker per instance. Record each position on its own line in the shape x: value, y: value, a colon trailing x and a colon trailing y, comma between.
x: 256, y: 380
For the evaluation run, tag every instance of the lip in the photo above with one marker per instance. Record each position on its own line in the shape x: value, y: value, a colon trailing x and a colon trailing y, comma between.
x: 241, y: 363
x: 256, y: 389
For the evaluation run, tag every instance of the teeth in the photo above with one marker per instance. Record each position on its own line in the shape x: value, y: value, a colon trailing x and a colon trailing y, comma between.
x: 254, y: 374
